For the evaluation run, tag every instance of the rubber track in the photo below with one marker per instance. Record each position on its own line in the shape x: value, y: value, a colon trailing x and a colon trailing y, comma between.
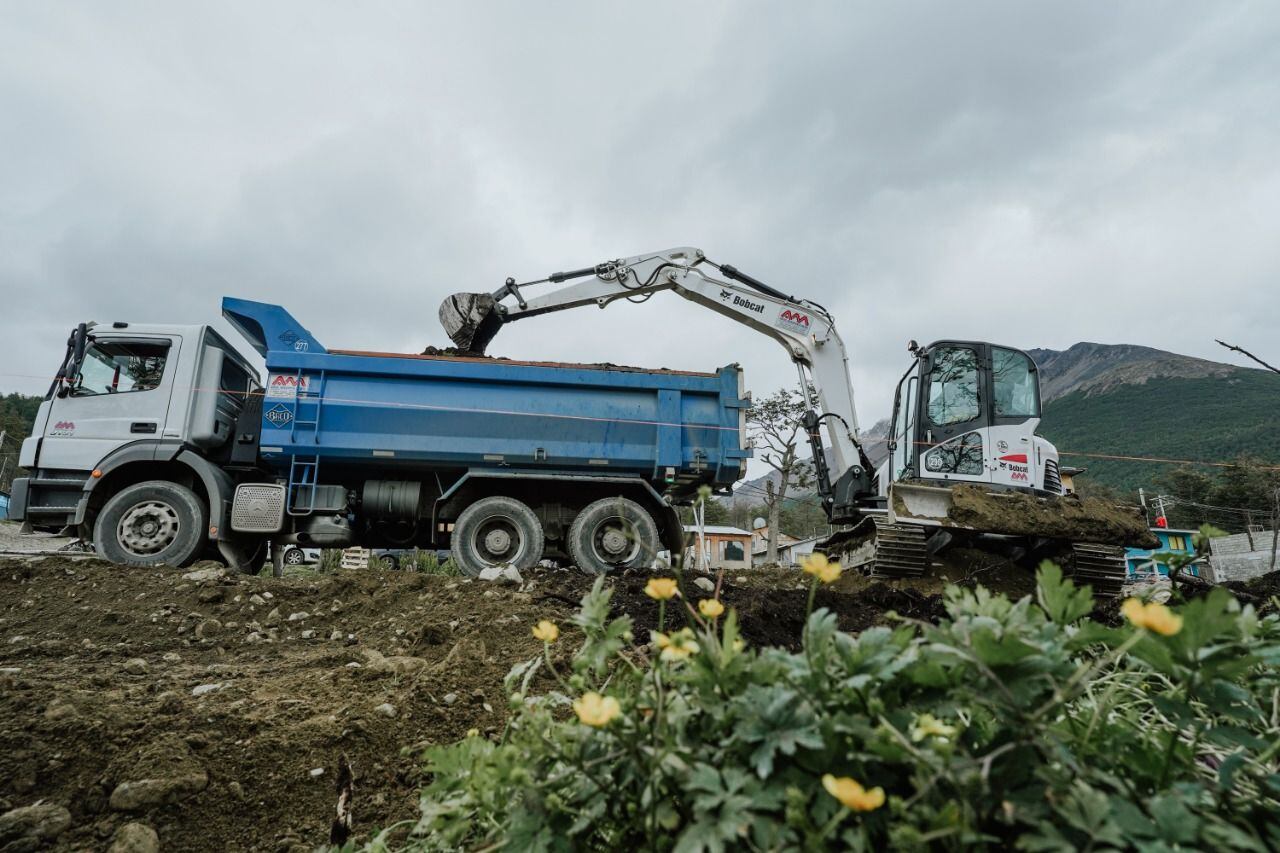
x: 900, y: 550
x: 1101, y: 566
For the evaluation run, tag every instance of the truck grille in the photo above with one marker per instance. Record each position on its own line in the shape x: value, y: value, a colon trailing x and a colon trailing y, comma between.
x: 258, y: 508
x: 1052, y: 479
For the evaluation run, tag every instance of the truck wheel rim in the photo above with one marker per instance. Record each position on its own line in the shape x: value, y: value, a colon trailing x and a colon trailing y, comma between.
x: 498, y: 541
x: 148, y: 528
x: 616, y: 540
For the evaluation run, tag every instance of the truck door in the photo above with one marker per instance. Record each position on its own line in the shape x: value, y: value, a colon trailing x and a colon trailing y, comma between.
x: 953, y: 424
x: 1015, y: 415
x: 119, y: 395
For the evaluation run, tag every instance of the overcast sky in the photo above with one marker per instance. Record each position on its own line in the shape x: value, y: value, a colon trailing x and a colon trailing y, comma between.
x: 1033, y: 174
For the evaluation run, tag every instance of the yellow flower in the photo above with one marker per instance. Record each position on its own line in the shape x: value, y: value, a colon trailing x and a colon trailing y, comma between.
x: 820, y: 567
x: 927, y: 725
x: 546, y: 631
x: 596, y: 710
x: 661, y: 589
x: 852, y: 795
x: 710, y: 608
x: 473, y: 733
x: 1153, y: 616
x: 677, y: 646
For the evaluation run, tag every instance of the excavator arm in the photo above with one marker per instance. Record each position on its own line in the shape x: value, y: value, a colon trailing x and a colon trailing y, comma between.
x: 805, y: 329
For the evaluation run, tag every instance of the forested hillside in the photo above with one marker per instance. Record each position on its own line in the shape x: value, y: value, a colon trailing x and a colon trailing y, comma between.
x: 1211, y: 419
x: 17, y: 413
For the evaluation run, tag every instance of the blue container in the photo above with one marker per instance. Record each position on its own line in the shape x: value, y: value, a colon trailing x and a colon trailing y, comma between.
x: 677, y: 430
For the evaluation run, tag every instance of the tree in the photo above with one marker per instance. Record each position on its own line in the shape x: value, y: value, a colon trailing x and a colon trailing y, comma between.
x: 1241, y: 495
x: 713, y: 512
x: 774, y: 425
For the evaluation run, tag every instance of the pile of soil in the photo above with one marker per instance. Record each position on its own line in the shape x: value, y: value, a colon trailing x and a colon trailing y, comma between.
x: 217, y: 708
x: 1069, y: 517
x: 1263, y: 592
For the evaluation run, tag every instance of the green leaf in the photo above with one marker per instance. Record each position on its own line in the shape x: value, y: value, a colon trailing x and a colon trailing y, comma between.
x: 1174, y: 821
x: 778, y: 722
x: 1060, y: 599
x: 1003, y: 650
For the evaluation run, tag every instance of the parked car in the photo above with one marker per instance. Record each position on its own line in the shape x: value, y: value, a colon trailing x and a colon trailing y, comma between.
x: 298, y: 556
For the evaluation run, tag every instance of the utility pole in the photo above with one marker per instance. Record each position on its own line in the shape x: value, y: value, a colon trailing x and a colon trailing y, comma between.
x: 1275, y: 527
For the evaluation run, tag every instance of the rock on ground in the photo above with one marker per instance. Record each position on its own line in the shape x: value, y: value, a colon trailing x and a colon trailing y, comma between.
x: 132, y: 796
x: 32, y: 827
x: 502, y: 574
x: 135, y: 838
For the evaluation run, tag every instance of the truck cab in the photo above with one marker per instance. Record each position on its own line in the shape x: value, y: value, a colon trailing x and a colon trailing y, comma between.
x: 134, y: 403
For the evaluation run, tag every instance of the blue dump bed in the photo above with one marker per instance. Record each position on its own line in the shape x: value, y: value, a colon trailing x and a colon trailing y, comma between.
x: 678, y: 430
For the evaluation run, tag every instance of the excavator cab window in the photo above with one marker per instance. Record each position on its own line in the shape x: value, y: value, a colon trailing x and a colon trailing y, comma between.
x: 1013, y: 379
x: 904, y: 424
x: 953, y: 386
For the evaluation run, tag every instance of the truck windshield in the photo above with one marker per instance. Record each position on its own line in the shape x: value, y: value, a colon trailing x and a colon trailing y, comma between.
x: 1014, y: 380
x: 113, y: 367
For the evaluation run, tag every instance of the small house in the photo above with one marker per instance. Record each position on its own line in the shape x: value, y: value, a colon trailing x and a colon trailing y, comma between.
x: 789, y: 554
x: 1144, y: 563
x: 723, y: 547
x: 1241, y: 556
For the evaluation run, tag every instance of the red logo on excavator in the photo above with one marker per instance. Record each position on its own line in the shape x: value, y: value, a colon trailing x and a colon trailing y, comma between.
x: 789, y: 316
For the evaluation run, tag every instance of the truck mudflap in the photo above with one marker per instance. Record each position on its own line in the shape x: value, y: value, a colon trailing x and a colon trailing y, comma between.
x: 1007, y: 513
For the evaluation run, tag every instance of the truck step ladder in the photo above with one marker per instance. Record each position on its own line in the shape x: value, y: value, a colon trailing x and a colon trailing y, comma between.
x: 304, y: 470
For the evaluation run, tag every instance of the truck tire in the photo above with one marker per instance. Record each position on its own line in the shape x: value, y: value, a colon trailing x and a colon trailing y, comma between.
x: 613, y: 533
x: 152, y: 523
x: 494, y: 532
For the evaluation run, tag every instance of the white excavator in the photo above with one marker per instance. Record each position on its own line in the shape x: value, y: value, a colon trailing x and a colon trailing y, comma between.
x: 965, y: 464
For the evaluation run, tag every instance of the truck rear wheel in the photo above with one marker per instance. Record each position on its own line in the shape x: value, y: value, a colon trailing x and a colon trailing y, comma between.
x: 151, y: 524
x: 496, y: 531
x: 612, y: 533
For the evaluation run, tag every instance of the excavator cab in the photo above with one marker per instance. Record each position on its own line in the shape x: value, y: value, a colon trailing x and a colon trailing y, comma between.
x: 966, y: 466
x: 967, y: 412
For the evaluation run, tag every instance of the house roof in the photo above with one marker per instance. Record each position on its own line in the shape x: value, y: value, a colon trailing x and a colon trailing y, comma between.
x: 719, y: 530
x: 782, y: 546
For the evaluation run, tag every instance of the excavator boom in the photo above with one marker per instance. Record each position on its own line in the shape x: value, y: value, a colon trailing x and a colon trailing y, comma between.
x: 965, y: 460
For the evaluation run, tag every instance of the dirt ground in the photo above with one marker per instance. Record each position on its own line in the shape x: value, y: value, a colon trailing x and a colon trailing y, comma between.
x: 215, y: 708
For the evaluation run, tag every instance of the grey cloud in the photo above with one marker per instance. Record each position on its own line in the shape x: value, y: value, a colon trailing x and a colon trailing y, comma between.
x: 1031, y: 173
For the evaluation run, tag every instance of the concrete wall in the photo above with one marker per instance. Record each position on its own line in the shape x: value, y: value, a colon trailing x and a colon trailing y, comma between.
x: 1240, y: 556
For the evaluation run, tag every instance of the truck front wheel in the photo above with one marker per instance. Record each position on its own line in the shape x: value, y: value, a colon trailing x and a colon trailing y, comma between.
x: 150, y: 524
x: 613, y: 533
x: 496, y: 531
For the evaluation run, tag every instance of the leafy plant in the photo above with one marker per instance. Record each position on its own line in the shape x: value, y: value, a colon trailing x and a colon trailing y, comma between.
x: 1011, y: 724
x: 429, y: 563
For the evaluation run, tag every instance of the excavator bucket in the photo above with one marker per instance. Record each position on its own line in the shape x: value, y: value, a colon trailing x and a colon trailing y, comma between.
x: 1087, y: 536
x: 1019, y: 514
x: 471, y: 320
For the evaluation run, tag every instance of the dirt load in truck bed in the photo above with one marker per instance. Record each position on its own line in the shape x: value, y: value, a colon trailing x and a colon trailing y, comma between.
x: 215, y: 708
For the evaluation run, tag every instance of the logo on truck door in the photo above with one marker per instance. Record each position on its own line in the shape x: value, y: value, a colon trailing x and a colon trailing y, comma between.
x: 278, y: 416
x: 285, y: 387
x: 63, y: 428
